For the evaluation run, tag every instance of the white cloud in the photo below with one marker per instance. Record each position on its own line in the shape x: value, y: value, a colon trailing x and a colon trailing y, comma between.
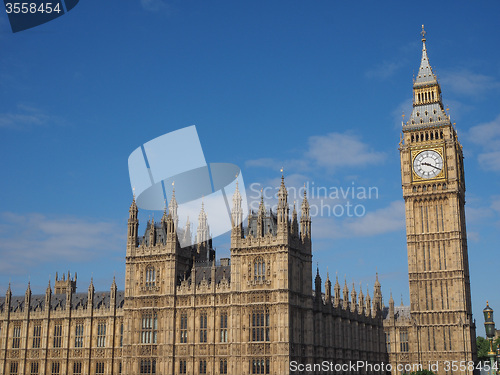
x: 330, y: 151
x: 466, y: 82
x: 488, y: 136
x: 25, y: 116
x: 384, y: 220
x: 33, y: 238
x: 337, y: 150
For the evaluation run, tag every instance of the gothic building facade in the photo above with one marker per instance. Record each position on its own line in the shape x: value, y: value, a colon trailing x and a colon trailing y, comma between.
x: 437, y: 327
x: 184, y: 313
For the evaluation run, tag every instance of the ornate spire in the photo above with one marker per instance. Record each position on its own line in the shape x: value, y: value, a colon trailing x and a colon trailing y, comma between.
x: 172, y: 207
x: 317, y: 284
x: 305, y: 218
x: 328, y: 289
x: 283, y: 208
x: 336, y: 298
x: 428, y: 108
x: 353, y: 298
x: 237, y: 211
x: 425, y: 75
x: 345, y: 298
x: 203, y: 230
x: 261, y: 216
x: 295, y: 223
x: 377, y: 294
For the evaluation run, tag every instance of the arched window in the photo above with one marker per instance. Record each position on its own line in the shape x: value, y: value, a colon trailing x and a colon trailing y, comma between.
x: 259, y: 273
x: 150, y: 276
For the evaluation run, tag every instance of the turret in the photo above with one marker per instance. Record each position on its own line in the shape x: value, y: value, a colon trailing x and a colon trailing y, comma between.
x: 283, y: 209
x: 377, y: 296
x: 295, y: 224
x: 203, y: 230
x: 361, y: 300
x: 172, y: 208
x: 345, y: 300
x: 27, y: 298
x: 368, y: 306
x: 336, y: 298
x: 317, y: 286
x: 48, y: 297
x: 133, y: 225
x: 112, y: 295
x: 152, y: 233
x: 261, y: 214
x: 90, y: 294
x: 354, y: 301
x: 237, y: 214
x: 328, y: 290
x: 186, y: 240
x: 391, y: 308
x: 305, y: 219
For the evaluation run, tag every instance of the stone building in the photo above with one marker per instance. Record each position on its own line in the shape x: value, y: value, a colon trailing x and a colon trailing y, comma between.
x: 438, y: 325
x: 184, y: 313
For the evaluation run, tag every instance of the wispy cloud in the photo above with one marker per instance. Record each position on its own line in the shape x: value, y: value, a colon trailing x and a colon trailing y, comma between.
x: 487, y: 135
x: 331, y: 151
x: 154, y: 5
x: 384, y: 220
x: 384, y: 70
x: 25, y: 116
x: 30, y: 239
x: 469, y: 83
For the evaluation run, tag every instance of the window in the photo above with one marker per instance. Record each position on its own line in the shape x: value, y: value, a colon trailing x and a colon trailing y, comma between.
x: 55, y: 368
x: 259, y: 273
x: 37, y: 333
x: 403, y: 338
x: 150, y: 276
x: 184, y: 326
x: 79, y: 335
x: 101, y: 335
x: 99, y: 368
x: 223, y: 327
x: 149, y: 328
x: 34, y: 368
x: 203, y: 367
x: 120, y: 368
x: 148, y: 366
x: 388, y: 342
x: 182, y: 367
x: 260, y: 326
x: 121, y: 335
x: 77, y: 368
x: 260, y: 366
x: 203, y: 327
x: 57, y: 335
x: 13, y: 368
x: 16, y: 337
x: 223, y: 366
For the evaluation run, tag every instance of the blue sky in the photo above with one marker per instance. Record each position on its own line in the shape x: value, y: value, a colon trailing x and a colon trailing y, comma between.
x: 317, y: 87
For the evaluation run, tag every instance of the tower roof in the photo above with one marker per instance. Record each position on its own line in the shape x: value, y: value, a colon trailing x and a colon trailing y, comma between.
x: 425, y: 75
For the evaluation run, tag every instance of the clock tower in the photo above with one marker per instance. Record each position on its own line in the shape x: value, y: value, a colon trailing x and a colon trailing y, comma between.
x: 432, y: 174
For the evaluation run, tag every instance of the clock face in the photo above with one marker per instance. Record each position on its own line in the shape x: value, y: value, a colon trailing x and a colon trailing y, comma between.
x: 428, y: 164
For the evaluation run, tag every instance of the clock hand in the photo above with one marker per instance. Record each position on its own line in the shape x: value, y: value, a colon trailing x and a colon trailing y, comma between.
x: 430, y: 165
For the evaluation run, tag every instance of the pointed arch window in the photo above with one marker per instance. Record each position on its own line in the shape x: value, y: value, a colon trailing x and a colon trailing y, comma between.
x: 259, y: 273
x: 150, y: 276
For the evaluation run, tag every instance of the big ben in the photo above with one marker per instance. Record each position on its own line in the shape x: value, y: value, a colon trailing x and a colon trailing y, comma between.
x: 433, y: 182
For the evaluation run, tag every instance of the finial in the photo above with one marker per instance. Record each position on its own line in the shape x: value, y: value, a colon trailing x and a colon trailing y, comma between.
x: 423, y: 32
x: 487, y: 304
x: 403, y: 116
x: 133, y: 193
